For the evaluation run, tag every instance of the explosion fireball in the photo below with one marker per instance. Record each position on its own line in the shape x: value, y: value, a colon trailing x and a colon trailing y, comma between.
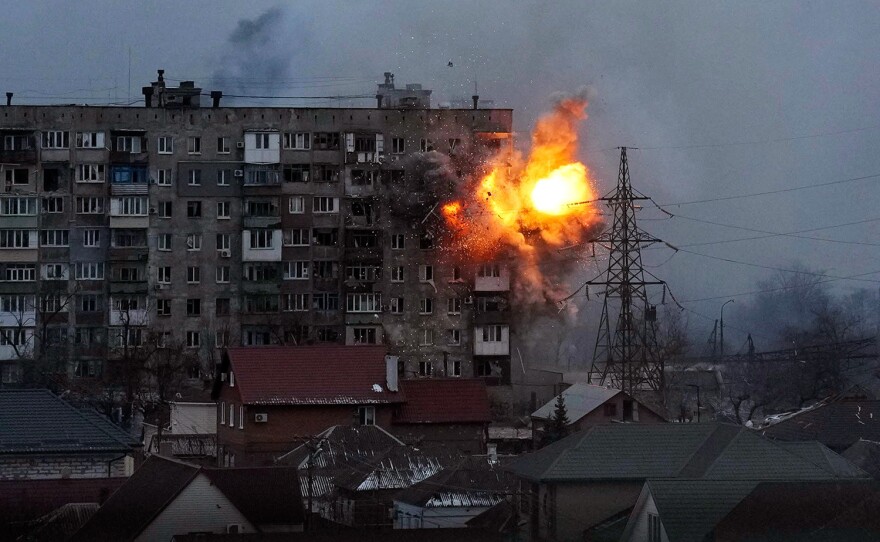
x: 540, y: 195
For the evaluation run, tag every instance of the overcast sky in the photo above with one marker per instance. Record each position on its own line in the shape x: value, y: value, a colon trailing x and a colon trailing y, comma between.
x: 724, y: 99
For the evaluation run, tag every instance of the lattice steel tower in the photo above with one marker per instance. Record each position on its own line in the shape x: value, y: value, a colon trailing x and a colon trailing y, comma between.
x: 627, y: 358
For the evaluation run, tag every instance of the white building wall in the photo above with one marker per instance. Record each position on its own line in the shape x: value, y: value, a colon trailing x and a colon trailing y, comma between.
x: 253, y: 155
x: 492, y: 348
x: 249, y: 254
x: 639, y: 532
x: 201, y: 507
x: 500, y: 283
x: 193, y: 418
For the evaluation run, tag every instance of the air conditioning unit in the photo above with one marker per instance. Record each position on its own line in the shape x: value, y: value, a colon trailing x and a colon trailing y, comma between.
x: 239, y: 144
x: 239, y: 173
x: 225, y: 253
x: 469, y: 300
x: 261, y: 417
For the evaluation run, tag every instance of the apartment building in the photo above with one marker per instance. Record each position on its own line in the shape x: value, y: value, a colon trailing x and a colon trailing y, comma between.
x: 176, y: 225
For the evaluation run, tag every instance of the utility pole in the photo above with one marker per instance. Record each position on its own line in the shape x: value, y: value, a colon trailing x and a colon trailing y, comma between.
x: 722, y: 326
x: 628, y: 357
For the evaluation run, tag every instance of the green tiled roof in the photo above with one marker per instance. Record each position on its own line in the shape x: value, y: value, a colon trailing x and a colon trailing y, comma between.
x: 689, y: 509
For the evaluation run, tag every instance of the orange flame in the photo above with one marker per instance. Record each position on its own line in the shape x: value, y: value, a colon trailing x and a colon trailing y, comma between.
x: 542, y: 194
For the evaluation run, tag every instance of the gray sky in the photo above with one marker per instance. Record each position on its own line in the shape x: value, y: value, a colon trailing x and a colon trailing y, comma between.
x: 723, y: 98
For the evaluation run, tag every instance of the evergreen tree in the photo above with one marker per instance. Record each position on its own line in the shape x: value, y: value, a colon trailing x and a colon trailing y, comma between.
x: 559, y: 422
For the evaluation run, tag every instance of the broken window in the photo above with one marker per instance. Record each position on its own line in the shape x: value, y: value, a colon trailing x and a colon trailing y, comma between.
x: 364, y: 177
x: 328, y: 141
x: 18, y: 176
x: 365, y: 143
x: 426, y: 241
x: 326, y: 269
x: 325, y: 237
x: 326, y: 173
x: 51, y: 180
x: 297, y: 173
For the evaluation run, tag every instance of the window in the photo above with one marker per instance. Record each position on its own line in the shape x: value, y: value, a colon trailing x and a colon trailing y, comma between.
x: 489, y: 270
x: 325, y: 237
x: 398, y: 144
x: 297, y: 173
x: 17, y: 206
x: 324, y: 204
x: 222, y: 209
x: 130, y: 206
x: 90, y: 271
x: 426, y: 273
x: 609, y: 409
x: 426, y: 241
x: 367, y: 415
x: 492, y: 333
x: 52, y: 178
x: 223, y: 145
x: 455, y: 368
x: 90, y: 140
x: 17, y: 303
x: 193, y: 307
x: 20, y: 272
x: 426, y: 305
x: 297, y: 205
x: 324, y: 301
x: 453, y: 305
x: 396, y: 305
x: 362, y: 273
x: 193, y: 209
x: 130, y: 144
x: 163, y: 307
x: 260, y: 272
x: 262, y: 141
x: 193, y: 274
x: 261, y: 239
x: 261, y: 207
x: 368, y: 302
x: 398, y: 241
x: 325, y: 173
x: 89, y: 206
x: 298, y: 270
x: 89, y: 303
x: 456, y: 274
x: 261, y: 304
x: 163, y: 177
x: 222, y: 274
x: 17, y: 176
x: 194, y: 242
x: 425, y: 145
x: 261, y: 175
x: 195, y: 177
x: 240, y: 426
x: 56, y: 140
x: 15, y: 238
x: 222, y: 307
x: 194, y: 145
x: 297, y: 237
x: 654, y: 528
x: 166, y: 208
x: 222, y: 412
x: 295, y: 302
x: 193, y: 339
x: 224, y: 241
x: 164, y: 242
x: 328, y: 141
x: 364, y: 335
x: 163, y: 274
x: 55, y: 271
x: 299, y: 141
x: 54, y: 238
x: 126, y: 274
x: 13, y: 337
x: 90, y: 173
x: 398, y: 274
x: 223, y: 177
x: 361, y: 177
x: 426, y: 368
x: 482, y: 368
x: 166, y: 144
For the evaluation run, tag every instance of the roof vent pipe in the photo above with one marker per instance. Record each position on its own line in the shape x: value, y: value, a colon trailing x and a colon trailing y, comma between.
x: 8, y: 99
x: 148, y: 96
x: 215, y: 97
x: 476, y: 100
x: 379, y: 101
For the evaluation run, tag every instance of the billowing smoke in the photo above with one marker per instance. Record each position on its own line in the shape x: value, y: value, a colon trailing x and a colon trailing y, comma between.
x: 253, y: 56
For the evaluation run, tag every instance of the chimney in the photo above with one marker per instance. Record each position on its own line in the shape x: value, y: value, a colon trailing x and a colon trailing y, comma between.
x: 389, y: 78
x: 379, y: 101
x: 391, y: 373
x: 161, y: 76
x: 215, y: 98
x: 148, y: 96
x: 476, y: 100
x: 8, y: 99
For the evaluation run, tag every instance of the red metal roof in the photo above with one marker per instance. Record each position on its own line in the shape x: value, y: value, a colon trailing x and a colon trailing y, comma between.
x: 446, y: 400
x: 311, y: 375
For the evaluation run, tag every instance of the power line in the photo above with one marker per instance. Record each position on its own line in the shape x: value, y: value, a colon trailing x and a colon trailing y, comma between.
x: 778, y: 289
x: 771, y: 192
x: 761, y: 141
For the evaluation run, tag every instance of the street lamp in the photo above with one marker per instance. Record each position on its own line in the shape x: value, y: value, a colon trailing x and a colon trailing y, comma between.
x: 698, y: 399
x: 722, y: 326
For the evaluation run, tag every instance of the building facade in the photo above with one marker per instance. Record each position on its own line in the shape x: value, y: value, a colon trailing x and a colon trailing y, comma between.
x: 186, y: 228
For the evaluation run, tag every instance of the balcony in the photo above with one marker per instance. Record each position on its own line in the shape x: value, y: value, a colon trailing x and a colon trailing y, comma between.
x: 18, y: 156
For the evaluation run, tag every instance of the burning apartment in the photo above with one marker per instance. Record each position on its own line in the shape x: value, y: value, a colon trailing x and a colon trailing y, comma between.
x: 184, y: 228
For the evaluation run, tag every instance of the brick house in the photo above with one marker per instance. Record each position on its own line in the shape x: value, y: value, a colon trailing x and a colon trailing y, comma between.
x: 44, y: 437
x: 451, y: 412
x: 269, y: 398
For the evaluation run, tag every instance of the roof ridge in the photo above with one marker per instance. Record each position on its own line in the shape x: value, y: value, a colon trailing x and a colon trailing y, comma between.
x: 565, y: 451
x: 825, y: 468
x: 727, y: 439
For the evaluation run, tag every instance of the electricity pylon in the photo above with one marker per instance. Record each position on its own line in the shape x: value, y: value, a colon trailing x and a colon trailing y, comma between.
x: 627, y: 358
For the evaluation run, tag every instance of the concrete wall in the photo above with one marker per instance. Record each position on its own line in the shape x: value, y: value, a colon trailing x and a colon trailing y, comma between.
x: 194, y: 418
